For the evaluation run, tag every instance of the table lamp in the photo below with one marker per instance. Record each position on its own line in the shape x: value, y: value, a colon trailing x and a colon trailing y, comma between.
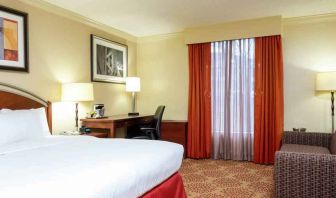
x: 77, y: 92
x: 133, y: 85
x: 327, y: 82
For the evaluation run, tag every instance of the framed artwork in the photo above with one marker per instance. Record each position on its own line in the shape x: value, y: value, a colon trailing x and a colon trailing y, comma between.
x: 13, y: 40
x: 108, y: 60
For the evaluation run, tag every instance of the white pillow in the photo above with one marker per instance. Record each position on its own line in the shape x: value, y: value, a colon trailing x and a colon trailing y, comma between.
x: 4, y: 110
x: 17, y: 125
x: 9, y: 110
x: 42, y: 120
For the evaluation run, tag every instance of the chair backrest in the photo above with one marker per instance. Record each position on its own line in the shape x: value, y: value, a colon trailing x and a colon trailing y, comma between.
x: 157, y: 120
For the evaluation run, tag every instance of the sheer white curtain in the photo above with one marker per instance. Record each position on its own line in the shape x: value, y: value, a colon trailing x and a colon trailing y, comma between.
x: 232, y: 89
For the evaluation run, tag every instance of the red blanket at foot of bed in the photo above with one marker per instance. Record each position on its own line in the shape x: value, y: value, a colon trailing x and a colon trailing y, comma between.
x: 171, y: 188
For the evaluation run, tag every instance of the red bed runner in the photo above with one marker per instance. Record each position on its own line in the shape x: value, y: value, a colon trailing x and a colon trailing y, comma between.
x: 171, y: 188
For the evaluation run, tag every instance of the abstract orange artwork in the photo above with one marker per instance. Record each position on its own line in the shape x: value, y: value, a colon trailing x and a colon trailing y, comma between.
x: 13, y: 40
x: 9, y: 40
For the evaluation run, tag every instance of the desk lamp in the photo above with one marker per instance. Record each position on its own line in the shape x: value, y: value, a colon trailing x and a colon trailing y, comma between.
x: 133, y: 85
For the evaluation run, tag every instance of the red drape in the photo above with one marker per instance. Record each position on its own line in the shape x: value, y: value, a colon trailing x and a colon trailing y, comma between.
x: 199, y: 111
x: 268, y: 102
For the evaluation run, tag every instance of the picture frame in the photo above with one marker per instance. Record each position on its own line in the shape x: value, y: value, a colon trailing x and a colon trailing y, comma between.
x: 13, y: 40
x: 108, y: 60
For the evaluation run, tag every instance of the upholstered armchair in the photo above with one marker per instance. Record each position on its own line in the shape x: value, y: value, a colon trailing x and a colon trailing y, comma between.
x: 305, y: 166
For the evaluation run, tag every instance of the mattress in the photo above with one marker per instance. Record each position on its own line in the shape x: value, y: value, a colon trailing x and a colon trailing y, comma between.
x: 83, y: 166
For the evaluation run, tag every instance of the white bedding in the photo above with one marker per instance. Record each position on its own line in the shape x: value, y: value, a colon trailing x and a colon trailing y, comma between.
x: 82, y: 166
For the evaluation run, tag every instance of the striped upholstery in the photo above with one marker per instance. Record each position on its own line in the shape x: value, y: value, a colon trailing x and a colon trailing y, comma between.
x: 300, y: 148
x: 304, y: 175
x: 311, y: 138
x: 333, y: 144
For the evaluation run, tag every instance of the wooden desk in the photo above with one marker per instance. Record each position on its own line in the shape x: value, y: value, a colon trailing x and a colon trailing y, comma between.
x: 175, y: 131
x: 113, y: 122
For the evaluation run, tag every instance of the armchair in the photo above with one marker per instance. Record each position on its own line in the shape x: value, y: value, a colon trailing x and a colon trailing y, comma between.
x: 305, y: 166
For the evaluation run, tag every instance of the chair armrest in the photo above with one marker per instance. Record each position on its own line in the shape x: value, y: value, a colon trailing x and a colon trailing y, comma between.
x: 304, y: 175
x: 141, y: 138
x: 150, y: 132
x: 148, y: 129
x: 313, y: 139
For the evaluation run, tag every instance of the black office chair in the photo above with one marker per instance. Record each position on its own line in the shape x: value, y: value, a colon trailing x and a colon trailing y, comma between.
x: 153, y: 131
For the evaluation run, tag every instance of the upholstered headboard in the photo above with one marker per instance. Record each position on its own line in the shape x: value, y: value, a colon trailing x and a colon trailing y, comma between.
x: 14, y: 98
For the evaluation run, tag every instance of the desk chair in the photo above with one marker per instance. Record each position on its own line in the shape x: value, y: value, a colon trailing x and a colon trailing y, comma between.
x: 154, y: 130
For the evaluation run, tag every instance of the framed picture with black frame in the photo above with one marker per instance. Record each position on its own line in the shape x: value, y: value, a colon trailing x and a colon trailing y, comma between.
x: 108, y: 61
x: 13, y: 40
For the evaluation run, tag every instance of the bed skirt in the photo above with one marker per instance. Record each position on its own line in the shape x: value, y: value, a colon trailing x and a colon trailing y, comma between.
x: 171, y: 188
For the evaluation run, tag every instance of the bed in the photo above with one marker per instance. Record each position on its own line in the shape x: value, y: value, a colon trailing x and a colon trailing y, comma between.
x: 81, y: 166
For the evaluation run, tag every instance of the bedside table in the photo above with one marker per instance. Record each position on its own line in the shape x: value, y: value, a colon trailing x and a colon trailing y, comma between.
x: 96, y: 134
x: 69, y: 133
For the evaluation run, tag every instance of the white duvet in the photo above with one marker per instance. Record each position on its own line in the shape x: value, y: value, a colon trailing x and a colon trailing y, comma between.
x: 83, y: 166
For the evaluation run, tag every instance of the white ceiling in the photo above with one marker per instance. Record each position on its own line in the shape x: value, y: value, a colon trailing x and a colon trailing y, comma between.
x: 151, y: 17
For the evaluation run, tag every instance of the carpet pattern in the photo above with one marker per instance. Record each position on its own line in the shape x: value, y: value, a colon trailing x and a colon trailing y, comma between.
x: 229, y: 179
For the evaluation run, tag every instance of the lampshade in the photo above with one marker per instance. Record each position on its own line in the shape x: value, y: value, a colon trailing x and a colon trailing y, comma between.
x: 326, y: 81
x: 77, y: 92
x: 132, y: 84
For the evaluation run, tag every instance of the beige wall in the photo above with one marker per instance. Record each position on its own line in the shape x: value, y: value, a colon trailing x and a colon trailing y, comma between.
x: 163, y: 62
x: 163, y: 69
x: 309, y: 46
x: 60, y: 52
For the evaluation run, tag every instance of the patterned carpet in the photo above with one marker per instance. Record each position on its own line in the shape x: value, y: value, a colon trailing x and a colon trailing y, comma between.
x: 229, y: 179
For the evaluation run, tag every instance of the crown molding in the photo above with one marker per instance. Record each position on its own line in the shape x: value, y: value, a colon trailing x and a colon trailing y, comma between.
x: 78, y: 18
x: 160, y: 37
x: 249, y: 28
x: 310, y: 19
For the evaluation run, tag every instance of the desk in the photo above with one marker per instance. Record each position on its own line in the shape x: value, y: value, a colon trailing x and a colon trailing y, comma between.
x: 175, y: 131
x: 113, y: 122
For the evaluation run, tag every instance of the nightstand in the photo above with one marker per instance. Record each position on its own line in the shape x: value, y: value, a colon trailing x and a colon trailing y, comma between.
x: 69, y: 133
x: 96, y: 134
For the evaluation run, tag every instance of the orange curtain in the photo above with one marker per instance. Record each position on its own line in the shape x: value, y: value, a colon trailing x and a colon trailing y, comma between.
x: 199, y: 111
x: 268, y: 102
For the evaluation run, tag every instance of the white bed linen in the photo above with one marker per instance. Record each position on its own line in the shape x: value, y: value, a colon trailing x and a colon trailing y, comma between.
x: 86, y: 167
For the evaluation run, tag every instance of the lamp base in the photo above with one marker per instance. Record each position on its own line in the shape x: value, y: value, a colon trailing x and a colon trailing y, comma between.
x: 133, y: 114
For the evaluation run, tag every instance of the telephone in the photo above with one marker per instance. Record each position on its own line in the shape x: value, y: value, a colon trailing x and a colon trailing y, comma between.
x: 84, y: 129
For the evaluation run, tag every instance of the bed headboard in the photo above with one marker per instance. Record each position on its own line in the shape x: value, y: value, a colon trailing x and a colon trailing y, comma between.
x: 14, y: 98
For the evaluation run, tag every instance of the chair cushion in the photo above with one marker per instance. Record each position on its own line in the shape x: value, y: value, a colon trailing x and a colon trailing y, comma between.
x: 333, y: 144
x: 298, y: 148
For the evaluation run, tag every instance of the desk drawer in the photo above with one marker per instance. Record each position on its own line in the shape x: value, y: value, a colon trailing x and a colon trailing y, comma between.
x: 175, y: 131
